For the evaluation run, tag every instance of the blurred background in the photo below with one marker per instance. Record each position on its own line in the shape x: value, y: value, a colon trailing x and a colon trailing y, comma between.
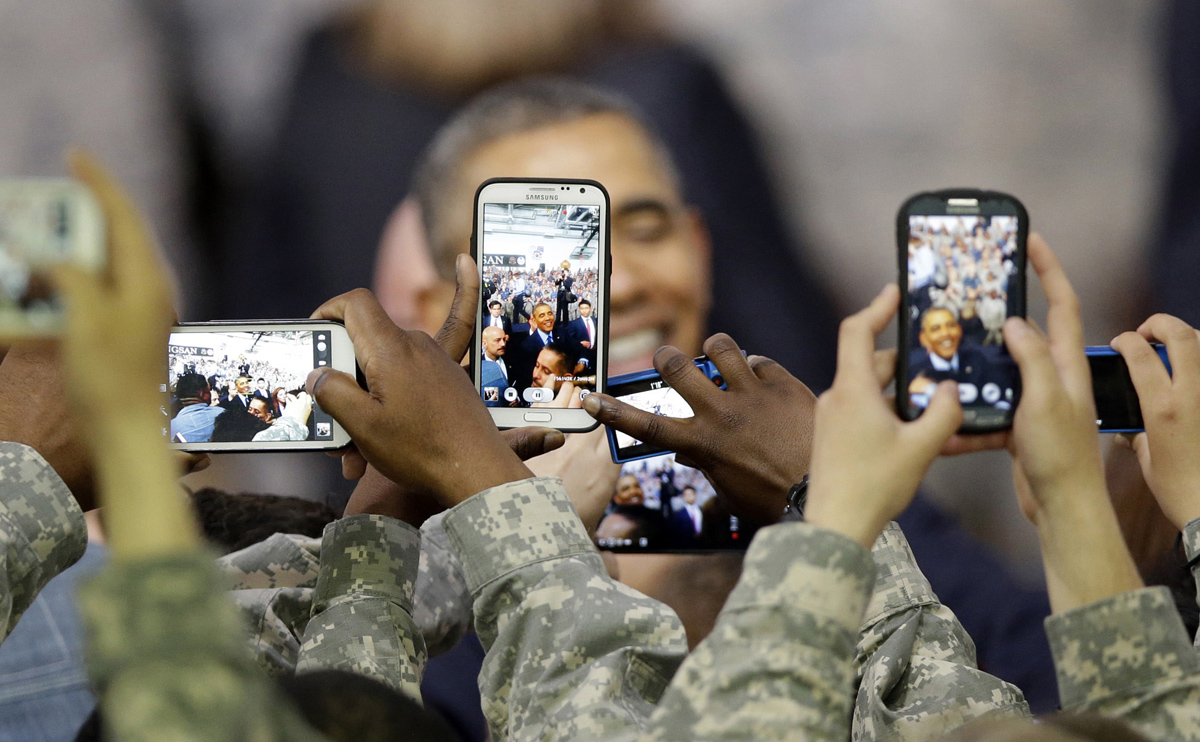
x: 270, y: 140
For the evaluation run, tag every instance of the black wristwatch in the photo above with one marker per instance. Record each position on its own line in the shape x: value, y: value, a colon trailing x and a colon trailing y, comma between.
x: 794, y: 510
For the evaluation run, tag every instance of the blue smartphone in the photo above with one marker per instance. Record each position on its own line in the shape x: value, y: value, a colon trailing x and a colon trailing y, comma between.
x: 646, y: 390
x: 1117, y: 407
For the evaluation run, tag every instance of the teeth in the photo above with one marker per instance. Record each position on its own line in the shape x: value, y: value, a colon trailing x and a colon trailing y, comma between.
x: 640, y: 343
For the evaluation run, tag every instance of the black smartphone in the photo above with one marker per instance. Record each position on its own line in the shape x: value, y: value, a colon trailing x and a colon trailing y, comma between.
x: 661, y: 506
x: 646, y: 390
x: 962, y: 273
x: 541, y: 338
x: 1118, y: 409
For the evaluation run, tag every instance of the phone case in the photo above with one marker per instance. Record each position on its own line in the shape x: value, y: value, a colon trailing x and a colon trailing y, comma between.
x: 1016, y: 296
x: 1106, y: 351
x: 703, y: 363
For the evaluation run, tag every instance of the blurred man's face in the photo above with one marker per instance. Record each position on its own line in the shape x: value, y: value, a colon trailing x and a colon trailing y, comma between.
x: 689, y: 496
x: 629, y: 491
x: 495, y: 342
x: 258, y: 408
x: 585, y: 310
x: 242, y: 385
x: 543, y: 317
x: 549, y: 366
x: 660, y: 285
x: 940, y: 333
x: 261, y: 384
x: 495, y: 310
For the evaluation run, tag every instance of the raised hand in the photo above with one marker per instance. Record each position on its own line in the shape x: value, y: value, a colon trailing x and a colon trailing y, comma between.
x: 751, y: 440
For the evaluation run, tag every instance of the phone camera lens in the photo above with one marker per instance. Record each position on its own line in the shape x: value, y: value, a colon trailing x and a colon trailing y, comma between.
x: 581, y: 190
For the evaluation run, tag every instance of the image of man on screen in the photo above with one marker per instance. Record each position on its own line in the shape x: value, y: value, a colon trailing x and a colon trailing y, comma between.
x: 943, y: 357
x: 493, y: 373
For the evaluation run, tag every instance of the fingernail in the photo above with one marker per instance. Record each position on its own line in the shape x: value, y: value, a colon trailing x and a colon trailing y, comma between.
x: 553, y: 440
x: 314, y: 376
x: 592, y: 405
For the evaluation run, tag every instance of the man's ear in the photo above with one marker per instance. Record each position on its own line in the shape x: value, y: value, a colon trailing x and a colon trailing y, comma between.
x: 433, y: 305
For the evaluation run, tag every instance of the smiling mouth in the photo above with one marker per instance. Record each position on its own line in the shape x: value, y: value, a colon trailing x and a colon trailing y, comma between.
x: 634, y: 345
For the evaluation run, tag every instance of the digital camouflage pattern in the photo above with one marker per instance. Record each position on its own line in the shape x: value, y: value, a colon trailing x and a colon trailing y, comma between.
x: 571, y: 653
x: 1129, y: 657
x: 779, y: 662
x: 166, y: 655
x: 1191, y: 548
x: 917, y: 673
x: 362, y: 604
x: 42, y: 531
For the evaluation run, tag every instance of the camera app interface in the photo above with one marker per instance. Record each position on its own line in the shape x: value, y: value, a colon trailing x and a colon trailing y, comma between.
x: 541, y: 316
x: 36, y: 232
x: 245, y: 387
x: 661, y: 505
x: 959, y: 269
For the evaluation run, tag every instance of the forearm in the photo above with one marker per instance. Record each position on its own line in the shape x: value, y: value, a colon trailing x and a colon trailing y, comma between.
x: 150, y: 517
x: 571, y: 654
x: 42, y: 531
x: 362, y: 605
x: 779, y: 662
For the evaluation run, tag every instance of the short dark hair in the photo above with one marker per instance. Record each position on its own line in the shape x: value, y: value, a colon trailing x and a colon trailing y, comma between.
x: 236, y: 425
x: 542, y: 304
x: 687, y: 487
x: 516, y: 107
x: 494, y: 303
x: 568, y: 354
x: 234, y: 521
x: 584, y: 301
x: 261, y: 378
x: 190, y: 386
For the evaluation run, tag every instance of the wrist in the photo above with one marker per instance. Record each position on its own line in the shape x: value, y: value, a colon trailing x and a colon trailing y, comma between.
x: 833, y: 513
x: 482, y: 476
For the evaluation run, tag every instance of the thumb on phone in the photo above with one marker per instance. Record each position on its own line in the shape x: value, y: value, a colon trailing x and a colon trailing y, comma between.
x: 340, y: 395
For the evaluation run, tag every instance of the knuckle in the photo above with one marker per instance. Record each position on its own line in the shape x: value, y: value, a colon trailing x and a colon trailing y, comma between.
x: 672, y: 364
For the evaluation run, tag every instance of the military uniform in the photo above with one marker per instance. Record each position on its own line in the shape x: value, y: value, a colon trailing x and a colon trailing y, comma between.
x: 817, y: 632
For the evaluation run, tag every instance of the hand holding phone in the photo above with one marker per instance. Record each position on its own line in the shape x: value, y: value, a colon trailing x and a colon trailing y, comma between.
x: 1170, y: 406
x: 751, y: 440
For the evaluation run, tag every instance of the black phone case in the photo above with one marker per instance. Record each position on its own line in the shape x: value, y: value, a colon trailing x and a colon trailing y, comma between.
x: 905, y: 305
x: 477, y: 340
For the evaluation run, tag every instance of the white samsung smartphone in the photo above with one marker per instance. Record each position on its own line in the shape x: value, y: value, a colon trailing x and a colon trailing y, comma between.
x: 43, y: 222
x: 541, y: 338
x: 239, y: 386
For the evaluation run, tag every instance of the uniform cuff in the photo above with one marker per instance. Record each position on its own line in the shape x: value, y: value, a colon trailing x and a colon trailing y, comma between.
x: 1191, y: 539
x: 514, y: 525
x: 803, y: 566
x: 159, y: 610
x: 368, y: 556
x: 1118, y: 645
x: 899, y: 583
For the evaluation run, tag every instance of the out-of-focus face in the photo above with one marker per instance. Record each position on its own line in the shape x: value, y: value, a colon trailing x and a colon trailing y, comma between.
x: 548, y: 367
x: 261, y: 385
x: 543, y: 317
x: 689, y: 495
x: 585, y: 310
x: 242, y: 385
x: 940, y: 333
x: 495, y: 342
x: 629, y: 491
x: 495, y: 310
x: 258, y: 408
x: 660, y: 285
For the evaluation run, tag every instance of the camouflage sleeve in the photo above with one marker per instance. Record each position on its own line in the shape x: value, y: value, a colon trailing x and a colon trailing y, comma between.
x: 166, y: 656
x: 283, y: 429
x: 42, y: 531
x: 1191, y: 547
x: 1129, y: 657
x: 571, y: 654
x: 779, y: 662
x: 916, y: 667
x: 362, y: 604
x: 282, y: 560
x: 442, y: 602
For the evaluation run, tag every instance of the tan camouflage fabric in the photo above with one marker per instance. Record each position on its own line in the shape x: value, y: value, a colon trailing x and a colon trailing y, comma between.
x: 166, y: 656
x: 42, y: 531
x: 571, y: 653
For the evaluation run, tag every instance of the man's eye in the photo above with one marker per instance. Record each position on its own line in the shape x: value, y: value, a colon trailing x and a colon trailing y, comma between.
x: 645, y: 229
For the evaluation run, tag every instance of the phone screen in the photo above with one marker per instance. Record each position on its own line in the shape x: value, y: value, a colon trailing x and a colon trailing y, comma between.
x: 541, y: 310
x: 964, y: 281
x: 651, y: 395
x: 1117, y: 405
x: 660, y: 505
x: 246, y: 386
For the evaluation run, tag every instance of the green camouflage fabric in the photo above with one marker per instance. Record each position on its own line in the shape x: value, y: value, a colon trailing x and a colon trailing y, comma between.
x: 571, y: 653
x: 42, y: 531
x: 779, y: 664
x: 283, y: 429
x: 1191, y: 547
x: 273, y: 584
x: 1129, y: 657
x: 915, y: 665
x: 167, y: 659
x: 362, y: 604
